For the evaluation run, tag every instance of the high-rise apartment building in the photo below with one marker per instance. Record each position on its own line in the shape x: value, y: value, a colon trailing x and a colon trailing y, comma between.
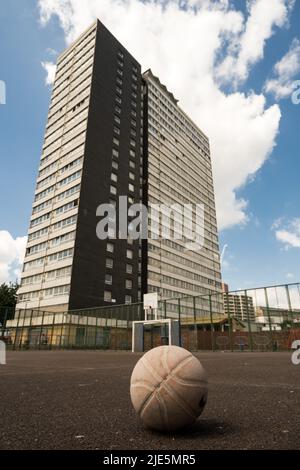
x: 238, y: 305
x: 113, y: 132
x: 179, y: 172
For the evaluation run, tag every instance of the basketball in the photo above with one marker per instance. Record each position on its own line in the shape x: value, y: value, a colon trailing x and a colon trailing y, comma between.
x: 168, y: 388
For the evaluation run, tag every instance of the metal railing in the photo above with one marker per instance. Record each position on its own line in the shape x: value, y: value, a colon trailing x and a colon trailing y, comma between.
x: 259, y: 319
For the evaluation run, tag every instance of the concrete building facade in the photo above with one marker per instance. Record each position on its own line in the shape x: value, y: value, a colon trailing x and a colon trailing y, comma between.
x: 113, y: 132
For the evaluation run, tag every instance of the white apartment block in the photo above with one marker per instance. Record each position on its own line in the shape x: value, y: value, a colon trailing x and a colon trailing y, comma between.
x: 179, y: 172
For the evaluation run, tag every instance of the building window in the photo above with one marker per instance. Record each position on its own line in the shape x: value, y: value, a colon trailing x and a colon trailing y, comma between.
x: 132, y: 153
x: 117, y: 119
x: 109, y: 263
x: 119, y: 81
x: 118, y: 109
x: 114, y: 177
x: 110, y: 247
x: 108, y: 279
x: 132, y: 164
x: 131, y: 176
x: 130, y: 200
x: 129, y: 254
x: 115, y: 165
x: 113, y: 190
x: 118, y: 100
x: 117, y: 130
x: 128, y: 299
x: 107, y: 296
x: 115, y: 153
x: 129, y: 269
x: 130, y: 187
x: 121, y: 55
x: 116, y: 141
x: 120, y: 72
x: 119, y: 90
x: 128, y: 284
x: 133, y: 122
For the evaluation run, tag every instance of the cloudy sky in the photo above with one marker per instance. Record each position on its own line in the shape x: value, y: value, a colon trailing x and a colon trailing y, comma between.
x: 234, y: 67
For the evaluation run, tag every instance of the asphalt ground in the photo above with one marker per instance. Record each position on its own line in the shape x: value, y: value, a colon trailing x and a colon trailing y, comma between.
x: 80, y: 400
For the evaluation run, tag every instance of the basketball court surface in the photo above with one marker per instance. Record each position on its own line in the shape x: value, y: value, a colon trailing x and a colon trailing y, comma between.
x: 80, y: 400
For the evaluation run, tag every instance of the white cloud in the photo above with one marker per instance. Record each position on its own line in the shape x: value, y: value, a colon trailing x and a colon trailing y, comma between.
x: 247, y: 47
x: 12, y: 253
x: 50, y: 69
x: 289, y: 233
x: 183, y: 46
x: 285, y: 71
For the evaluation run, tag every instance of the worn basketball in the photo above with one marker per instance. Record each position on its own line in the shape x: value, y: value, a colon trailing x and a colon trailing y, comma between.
x: 168, y: 388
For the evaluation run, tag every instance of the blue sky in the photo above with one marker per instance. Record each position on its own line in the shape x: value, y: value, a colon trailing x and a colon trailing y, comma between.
x: 255, y: 254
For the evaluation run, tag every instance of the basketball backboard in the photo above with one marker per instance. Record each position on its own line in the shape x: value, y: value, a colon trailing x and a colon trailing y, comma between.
x: 151, y: 301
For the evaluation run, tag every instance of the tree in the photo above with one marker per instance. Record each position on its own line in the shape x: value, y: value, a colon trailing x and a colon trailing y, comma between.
x: 8, y: 300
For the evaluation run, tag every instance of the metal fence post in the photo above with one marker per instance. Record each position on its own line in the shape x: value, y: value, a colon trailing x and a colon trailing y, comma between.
x: 229, y: 321
x: 29, y: 329
x: 195, y: 323
x: 269, y: 316
x: 179, y: 319
x: 52, y: 331
x: 248, y: 320
x: 42, y: 328
x: 22, y: 330
x: 69, y: 329
x: 289, y: 304
x: 4, y: 320
x: 62, y: 329
x: 212, y: 328
x: 17, y: 330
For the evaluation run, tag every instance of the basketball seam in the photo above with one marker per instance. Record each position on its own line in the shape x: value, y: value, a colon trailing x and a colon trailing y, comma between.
x: 145, y: 403
x: 160, y: 379
x: 152, y: 371
x: 162, y: 409
x: 181, y: 364
x: 171, y: 371
x: 165, y: 361
x: 183, y: 403
x: 179, y: 400
x: 142, y: 383
x: 157, y: 377
x: 188, y: 382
